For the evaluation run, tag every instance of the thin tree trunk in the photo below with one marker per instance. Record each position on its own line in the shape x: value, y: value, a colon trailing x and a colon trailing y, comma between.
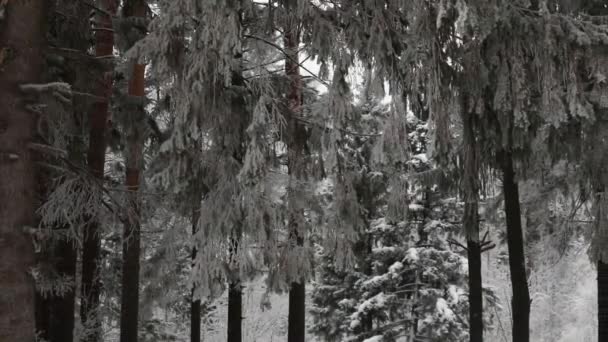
x: 471, y: 222
x: 71, y: 34
x: 62, y: 307
x: 520, y: 303
x: 296, y: 331
x: 297, y: 313
x: 195, y: 305
x: 129, y: 309
x: 475, y: 291
x: 43, y: 316
x: 602, y: 300
x: 96, y: 158
x: 235, y: 314
x: 602, y: 276
x: 22, y: 43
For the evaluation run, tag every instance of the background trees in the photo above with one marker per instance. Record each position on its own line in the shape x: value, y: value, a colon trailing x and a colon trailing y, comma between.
x: 377, y: 148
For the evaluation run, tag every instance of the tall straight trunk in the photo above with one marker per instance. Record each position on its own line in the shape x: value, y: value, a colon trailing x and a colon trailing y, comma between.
x: 520, y: 302
x: 235, y: 312
x: 602, y: 273
x: 475, y: 291
x: 22, y: 43
x: 43, y: 316
x: 602, y: 300
x: 96, y: 158
x: 297, y: 313
x: 129, y: 308
x: 72, y: 34
x: 470, y: 221
x: 195, y: 304
x: 235, y: 295
x: 296, y: 331
x: 62, y: 306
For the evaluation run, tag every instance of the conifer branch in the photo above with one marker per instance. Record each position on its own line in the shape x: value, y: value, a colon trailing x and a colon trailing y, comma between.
x: 276, y: 46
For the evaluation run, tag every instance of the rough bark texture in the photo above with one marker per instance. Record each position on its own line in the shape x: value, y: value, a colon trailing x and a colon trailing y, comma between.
x: 96, y: 158
x: 470, y: 222
x: 129, y: 309
x: 520, y: 302
x: 296, y: 331
x: 22, y: 42
x: 235, y: 314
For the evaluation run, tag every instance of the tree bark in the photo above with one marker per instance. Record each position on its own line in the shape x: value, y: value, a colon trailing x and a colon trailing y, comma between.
x: 195, y: 304
x: 62, y: 307
x: 296, y: 331
x: 96, y: 158
x: 520, y: 302
x: 470, y: 221
x: 129, y: 309
x: 602, y: 300
x: 297, y: 313
x: 43, y: 316
x: 475, y: 291
x: 22, y: 45
x: 235, y: 313
x: 72, y: 33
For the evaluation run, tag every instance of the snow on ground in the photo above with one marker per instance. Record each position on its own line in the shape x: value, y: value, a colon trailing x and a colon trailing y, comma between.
x: 269, y: 325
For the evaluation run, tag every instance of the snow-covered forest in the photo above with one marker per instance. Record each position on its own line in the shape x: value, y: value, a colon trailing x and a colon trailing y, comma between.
x: 303, y: 170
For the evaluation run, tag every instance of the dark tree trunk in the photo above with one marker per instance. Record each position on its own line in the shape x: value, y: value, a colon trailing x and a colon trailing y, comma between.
x: 235, y: 314
x: 195, y: 305
x: 297, y: 313
x: 62, y: 307
x: 520, y: 303
x: 96, y: 158
x: 195, y: 321
x: 470, y: 221
x: 129, y: 308
x: 22, y: 43
x: 71, y: 30
x: 602, y: 300
x: 43, y: 316
x: 602, y: 283
x: 475, y: 291
x: 296, y: 149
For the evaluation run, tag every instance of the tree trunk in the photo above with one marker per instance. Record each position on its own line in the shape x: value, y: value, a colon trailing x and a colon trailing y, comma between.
x: 129, y: 309
x: 62, y: 307
x: 96, y: 158
x: 297, y: 313
x: 22, y: 44
x: 43, y: 316
x: 235, y: 314
x: 195, y: 304
x: 470, y: 221
x: 475, y: 291
x: 195, y: 321
x: 602, y: 300
x: 296, y: 149
x: 520, y: 303
x: 71, y: 34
